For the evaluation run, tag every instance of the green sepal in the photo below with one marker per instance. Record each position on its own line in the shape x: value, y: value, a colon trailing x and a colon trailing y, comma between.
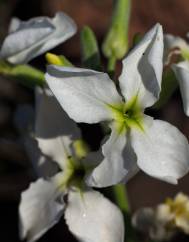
x: 116, y: 41
x: 136, y: 39
x: 25, y: 74
x: 121, y: 198
x: 89, y: 49
x: 185, y: 53
x: 168, y: 87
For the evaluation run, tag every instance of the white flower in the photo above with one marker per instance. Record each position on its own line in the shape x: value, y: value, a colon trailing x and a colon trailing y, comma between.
x: 164, y: 221
x: 155, y: 223
x: 174, y: 45
x: 177, y: 45
x: 42, y: 204
x: 177, y: 211
x: 181, y: 71
x: 28, y: 39
x: 90, y: 96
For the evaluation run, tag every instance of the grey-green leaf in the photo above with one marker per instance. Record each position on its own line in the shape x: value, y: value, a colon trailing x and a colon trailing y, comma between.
x: 169, y: 85
x: 90, y: 51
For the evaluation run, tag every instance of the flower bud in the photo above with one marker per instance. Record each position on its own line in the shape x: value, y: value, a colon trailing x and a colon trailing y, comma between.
x: 116, y: 41
x: 58, y: 60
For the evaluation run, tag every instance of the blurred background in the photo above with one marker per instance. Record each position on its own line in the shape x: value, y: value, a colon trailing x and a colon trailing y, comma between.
x: 15, y: 169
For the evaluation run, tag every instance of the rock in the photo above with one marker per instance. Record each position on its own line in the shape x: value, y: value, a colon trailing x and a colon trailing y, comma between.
x: 13, y: 92
x: 5, y: 113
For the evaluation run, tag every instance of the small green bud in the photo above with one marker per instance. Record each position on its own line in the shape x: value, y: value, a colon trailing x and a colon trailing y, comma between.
x: 137, y: 38
x: 53, y: 59
x: 116, y: 41
x: 168, y: 87
x: 58, y: 60
x: 80, y: 148
x: 89, y: 49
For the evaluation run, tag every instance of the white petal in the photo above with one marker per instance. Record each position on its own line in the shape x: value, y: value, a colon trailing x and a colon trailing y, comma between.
x: 182, y: 222
x: 181, y: 71
x: 35, y: 37
x: 92, y: 160
x: 24, y: 121
x: 54, y: 130
x: 162, y: 151
x: 147, y: 221
x: 18, y: 44
x: 118, y: 165
x: 51, y: 120
x: 164, y: 214
x: 43, y: 165
x: 142, y: 69
x: 39, y: 209
x: 84, y: 94
x: 143, y: 219
x: 92, y: 218
x: 14, y: 25
x: 172, y: 42
x: 65, y: 28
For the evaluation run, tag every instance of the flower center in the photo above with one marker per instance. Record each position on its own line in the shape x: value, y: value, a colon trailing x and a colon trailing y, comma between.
x: 78, y: 175
x: 128, y: 115
x: 75, y: 167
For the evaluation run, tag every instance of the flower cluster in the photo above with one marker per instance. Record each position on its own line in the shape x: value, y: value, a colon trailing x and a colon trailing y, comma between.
x: 26, y: 40
x: 177, y: 45
x: 68, y: 171
x: 165, y: 220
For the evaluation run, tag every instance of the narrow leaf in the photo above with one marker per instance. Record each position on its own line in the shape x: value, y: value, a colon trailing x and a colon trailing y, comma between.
x: 169, y: 85
x: 89, y: 48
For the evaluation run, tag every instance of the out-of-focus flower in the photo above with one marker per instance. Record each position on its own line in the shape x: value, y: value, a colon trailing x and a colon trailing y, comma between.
x: 181, y: 71
x: 89, y: 96
x: 42, y: 204
x: 29, y: 39
x: 178, y: 211
x: 153, y: 223
x: 164, y: 221
x: 177, y: 45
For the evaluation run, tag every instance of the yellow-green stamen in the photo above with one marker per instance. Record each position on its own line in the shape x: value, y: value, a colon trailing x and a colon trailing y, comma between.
x: 127, y: 115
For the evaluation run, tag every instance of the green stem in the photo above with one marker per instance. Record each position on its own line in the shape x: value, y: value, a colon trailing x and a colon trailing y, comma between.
x: 121, y: 198
x: 111, y: 66
x: 25, y: 74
